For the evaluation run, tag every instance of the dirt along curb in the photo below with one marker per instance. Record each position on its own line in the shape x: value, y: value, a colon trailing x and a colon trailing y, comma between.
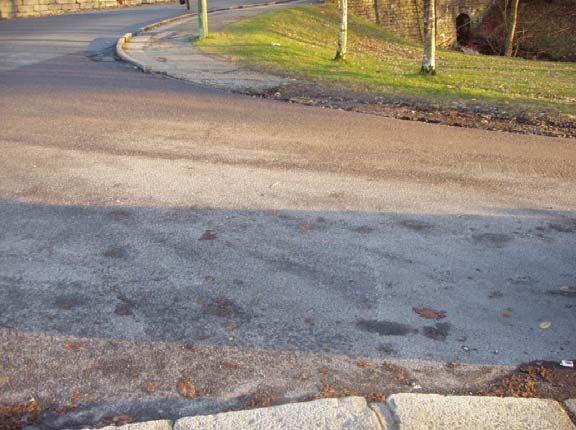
x: 397, y: 412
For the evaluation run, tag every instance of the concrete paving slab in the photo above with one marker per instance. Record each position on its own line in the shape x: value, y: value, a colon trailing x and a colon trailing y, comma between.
x: 332, y: 414
x: 436, y: 412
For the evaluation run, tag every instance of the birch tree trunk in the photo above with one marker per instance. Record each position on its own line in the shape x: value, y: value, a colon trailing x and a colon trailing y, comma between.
x: 429, y: 58
x: 342, y: 31
x: 509, y: 49
x: 202, y: 19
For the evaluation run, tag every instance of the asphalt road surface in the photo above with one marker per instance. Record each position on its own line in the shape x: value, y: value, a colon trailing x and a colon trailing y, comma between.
x: 153, y: 231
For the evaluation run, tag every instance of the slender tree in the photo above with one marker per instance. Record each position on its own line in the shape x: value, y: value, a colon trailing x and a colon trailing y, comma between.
x: 342, y: 31
x: 511, y: 24
x: 429, y: 58
x: 202, y: 19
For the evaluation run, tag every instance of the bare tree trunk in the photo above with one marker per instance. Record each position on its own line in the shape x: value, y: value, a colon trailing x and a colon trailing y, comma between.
x: 429, y: 58
x: 377, y: 12
x: 509, y: 49
x: 202, y: 19
x: 342, y: 31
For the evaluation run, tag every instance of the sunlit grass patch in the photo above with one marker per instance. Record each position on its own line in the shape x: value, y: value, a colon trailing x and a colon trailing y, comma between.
x: 301, y: 42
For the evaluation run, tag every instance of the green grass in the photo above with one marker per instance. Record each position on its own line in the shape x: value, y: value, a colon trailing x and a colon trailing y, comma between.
x: 301, y: 42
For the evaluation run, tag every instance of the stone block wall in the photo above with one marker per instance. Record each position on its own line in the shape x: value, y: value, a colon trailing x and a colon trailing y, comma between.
x: 30, y: 8
x: 406, y: 17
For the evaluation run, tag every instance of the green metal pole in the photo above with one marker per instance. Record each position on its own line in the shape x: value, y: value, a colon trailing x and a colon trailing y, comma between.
x: 202, y: 19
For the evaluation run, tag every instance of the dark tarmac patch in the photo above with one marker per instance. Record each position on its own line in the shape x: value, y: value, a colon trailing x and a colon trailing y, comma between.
x: 221, y: 307
x: 439, y: 331
x: 115, y: 252
x: 385, y: 328
x: 209, y: 235
x: 387, y: 349
x: 69, y: 301
x: 491, y: 240
x: 567, y: 227
x: 120, y: 215
x: 415, y: 225
x: 363, y: 229
x: 564, y: 291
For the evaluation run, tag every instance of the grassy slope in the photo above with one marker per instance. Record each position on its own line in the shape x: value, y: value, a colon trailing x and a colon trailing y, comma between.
x: 300, y: 42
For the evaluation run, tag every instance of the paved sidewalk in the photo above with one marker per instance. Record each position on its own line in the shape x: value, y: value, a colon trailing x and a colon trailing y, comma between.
x: 169, y: 49
x: 399, y: 412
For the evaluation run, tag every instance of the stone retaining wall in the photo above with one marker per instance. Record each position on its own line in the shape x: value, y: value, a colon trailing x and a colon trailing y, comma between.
x: 28, y: 8
x: 405, y: 17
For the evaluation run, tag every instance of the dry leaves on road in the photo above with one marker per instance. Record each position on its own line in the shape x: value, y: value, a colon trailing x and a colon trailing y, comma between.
x: 186, y: 388
x: 150, y: 386
x: 430, y: 314
x: 209, y: 235
x: 73, y: 346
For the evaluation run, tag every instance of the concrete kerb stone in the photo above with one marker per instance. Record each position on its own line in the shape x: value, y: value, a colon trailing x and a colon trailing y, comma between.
x: 404, y: 411
x: 325, y: 414
x: 121, y: 53
x: 433, y: 411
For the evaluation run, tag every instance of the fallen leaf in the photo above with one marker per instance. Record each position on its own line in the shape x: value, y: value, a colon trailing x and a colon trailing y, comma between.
x: 306, y: 228
x: 231, y: 326
x: 545, y: 324
x: 150, y: 386
x: 122, y: 310
x: 186, y: 388
x: 74, y: 397
x: 430, y: 314
x: 188, y: 346
x: 209, y: 235
x: 73, y: 346
x: 231, y: 365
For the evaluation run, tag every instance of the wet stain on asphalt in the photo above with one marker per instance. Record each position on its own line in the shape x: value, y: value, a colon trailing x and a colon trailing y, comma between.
x: 567, y: 227
x: 120, y: 215
x: 69, y: 301
x: 363, y: 229
x: 221, y: 307
x: 115, y: 252
x: 385, y: 328
x: 416, y: 225
x: 387, y: 349
x: 439, y: 331
x: 209, y: 235
x: 492, y: 240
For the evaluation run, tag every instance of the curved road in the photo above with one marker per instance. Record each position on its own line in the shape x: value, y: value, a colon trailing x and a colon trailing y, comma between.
x: 152, y: 231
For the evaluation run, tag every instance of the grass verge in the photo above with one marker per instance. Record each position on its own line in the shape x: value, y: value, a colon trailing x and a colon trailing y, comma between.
x: 300, y: 42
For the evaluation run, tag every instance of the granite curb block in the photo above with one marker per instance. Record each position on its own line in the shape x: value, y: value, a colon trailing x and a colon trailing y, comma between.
x: 121, y: 53
x: 328, y: 414
x: 408, y: 411
x: 399, y: 412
